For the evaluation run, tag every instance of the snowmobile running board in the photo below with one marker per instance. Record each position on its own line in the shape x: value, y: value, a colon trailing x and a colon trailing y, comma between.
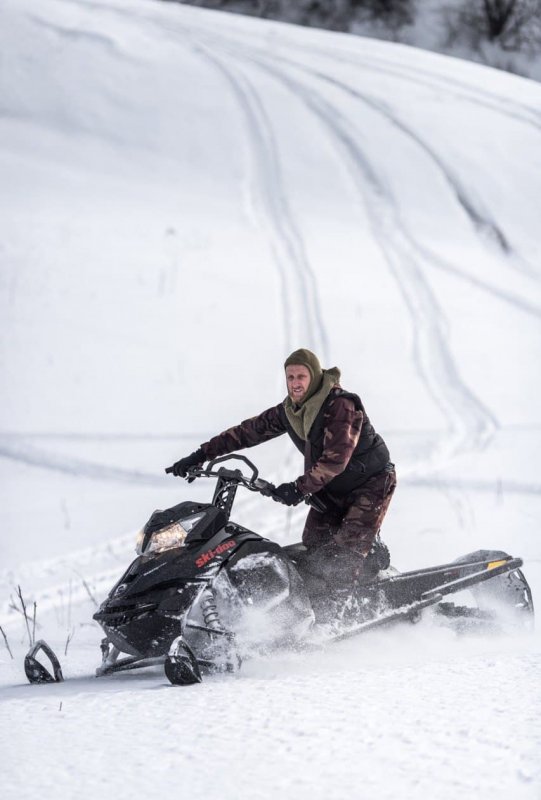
x: 412, y: 611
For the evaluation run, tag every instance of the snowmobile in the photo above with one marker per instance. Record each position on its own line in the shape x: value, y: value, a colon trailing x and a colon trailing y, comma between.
x: 205, y: 593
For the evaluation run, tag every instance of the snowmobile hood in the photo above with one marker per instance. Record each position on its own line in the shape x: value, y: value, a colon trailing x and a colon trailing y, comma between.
x: 196, y: 561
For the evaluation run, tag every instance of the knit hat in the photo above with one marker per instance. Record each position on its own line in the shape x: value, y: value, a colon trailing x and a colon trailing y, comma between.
x: 311, y: 362
x: 308, y: 360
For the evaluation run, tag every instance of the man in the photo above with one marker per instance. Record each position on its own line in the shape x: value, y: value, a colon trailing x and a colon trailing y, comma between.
x: 346, y: 465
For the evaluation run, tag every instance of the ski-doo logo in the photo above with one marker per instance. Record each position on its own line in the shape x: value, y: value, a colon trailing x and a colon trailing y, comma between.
x: 210, y: 554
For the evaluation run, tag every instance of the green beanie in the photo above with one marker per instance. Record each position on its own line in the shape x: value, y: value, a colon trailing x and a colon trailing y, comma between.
x: 311, y: 362
x: 307, y: 359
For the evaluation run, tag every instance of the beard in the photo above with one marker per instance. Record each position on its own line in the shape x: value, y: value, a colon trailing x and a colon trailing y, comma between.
x: 297, y: 398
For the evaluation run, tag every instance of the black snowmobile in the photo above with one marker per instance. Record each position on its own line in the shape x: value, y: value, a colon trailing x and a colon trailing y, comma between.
x: 204, y: 593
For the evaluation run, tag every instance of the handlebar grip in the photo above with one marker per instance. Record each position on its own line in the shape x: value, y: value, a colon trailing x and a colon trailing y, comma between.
x: 169, y: 470
x: 264, y: 487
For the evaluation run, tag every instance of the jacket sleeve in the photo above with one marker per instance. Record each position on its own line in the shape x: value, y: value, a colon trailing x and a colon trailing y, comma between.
x: 342, y: 429
x: 252, y: 431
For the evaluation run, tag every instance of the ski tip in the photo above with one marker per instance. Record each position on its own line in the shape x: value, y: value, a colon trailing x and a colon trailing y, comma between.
x: 35, y: 671
x: 181, y: 667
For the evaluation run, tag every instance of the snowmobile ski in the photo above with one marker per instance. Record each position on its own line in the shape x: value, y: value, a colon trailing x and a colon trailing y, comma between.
x: 181, y: 667
x: 34, y: 669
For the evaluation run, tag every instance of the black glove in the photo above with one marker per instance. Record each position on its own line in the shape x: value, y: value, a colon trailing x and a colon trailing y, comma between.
x: 288, y: 494
x: 180, y: 468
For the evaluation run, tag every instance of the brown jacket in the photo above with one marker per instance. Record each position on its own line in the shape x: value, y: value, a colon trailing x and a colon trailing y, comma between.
x: 339, y: 427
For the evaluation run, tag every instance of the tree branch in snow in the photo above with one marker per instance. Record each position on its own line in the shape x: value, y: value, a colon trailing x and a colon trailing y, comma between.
x: 34, y: 623
x: 6, y: 641
x: 88, y: 590
x: 71, y: 634
x: 26, y: 617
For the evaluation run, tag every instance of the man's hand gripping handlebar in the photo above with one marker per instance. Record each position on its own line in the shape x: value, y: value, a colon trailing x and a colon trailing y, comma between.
x: 253, y: 483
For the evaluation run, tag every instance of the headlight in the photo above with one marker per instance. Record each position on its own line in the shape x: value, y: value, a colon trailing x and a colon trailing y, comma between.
x: 171, y: 536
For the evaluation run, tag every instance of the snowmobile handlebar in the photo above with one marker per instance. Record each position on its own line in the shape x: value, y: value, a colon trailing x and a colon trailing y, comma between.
x: 253, y: 483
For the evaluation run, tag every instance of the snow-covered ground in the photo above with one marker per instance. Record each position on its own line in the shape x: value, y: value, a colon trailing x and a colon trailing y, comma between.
x: 185, y: 198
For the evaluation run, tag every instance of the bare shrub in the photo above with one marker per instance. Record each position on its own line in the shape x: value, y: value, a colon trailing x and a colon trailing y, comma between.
x: 330, y: 14
x: 6, y: 641
x: 393, y: 14
x: 515, y: 25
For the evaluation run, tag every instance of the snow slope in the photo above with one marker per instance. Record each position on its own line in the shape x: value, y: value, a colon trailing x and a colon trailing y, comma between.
x: 186, y: 197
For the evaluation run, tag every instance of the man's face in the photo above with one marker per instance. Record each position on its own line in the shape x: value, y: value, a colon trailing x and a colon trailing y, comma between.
x: 298, y: 379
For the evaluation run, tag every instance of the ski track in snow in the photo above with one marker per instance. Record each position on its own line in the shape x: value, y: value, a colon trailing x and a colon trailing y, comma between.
x: 33, y: 456
x: 270, y: 200
x: 276, y: 215
x: 402, y: 70
x: 479, y: 218
x: 18, y: 447
x: 406, y: 72
x: 77, y: 34
x: 471, y: 423
x: 293, y: 239
x: 373, y: 62
x: 481, y: 97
